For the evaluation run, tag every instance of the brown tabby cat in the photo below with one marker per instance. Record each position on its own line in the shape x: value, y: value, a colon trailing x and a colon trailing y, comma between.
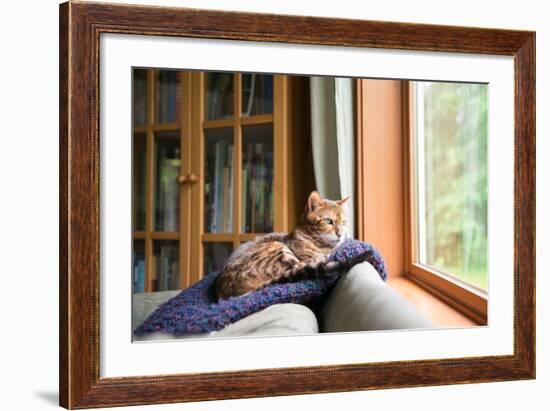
x: 279, y: 257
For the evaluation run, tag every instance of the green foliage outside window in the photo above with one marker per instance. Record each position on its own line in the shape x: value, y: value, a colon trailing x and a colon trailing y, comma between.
x: 455, y: 179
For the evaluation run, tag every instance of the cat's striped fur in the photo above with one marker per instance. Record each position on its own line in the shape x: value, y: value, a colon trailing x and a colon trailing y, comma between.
x: 280, y: 257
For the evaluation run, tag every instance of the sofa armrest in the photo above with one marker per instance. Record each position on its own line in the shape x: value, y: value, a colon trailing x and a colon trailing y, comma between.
x: 362, y: 301
x: 143, y: 304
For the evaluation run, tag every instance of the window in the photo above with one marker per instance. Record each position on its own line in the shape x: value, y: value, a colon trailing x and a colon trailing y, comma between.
x: 451, y: 181
x: 422, y: 178
x: 448, y: 189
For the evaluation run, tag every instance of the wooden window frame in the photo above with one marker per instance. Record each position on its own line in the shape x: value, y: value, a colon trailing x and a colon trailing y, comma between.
x: 386, y: 216
x: 463, y: 297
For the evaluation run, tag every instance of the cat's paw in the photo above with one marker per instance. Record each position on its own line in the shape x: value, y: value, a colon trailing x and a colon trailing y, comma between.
x: 331, y: 266
x: 361, y: 258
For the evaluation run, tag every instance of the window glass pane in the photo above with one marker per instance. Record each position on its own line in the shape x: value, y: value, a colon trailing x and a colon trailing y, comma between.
x: 167, y: 168
x: 140, y: 97
x: 219, y: 95
x: 257, y: 179
x: 165, y: 275
x: 218, y: 189
x: 167, y: 96
x: 215, y: 256
x: 257, y: 94
x: 451, y: 150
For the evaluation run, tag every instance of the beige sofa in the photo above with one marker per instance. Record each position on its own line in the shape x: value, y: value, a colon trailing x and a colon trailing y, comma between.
x: 360, y: 301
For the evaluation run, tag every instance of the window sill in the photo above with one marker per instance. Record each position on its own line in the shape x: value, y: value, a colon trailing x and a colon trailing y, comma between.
x: 440, y: 313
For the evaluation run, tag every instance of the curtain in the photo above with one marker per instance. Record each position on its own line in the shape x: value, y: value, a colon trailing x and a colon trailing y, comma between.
x: 333, y: 142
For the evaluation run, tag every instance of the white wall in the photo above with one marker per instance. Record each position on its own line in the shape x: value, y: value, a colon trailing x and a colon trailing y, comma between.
x: 28, y: 206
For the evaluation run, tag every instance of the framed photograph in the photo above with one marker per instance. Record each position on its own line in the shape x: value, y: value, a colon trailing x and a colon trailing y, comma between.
x: 259, y: 205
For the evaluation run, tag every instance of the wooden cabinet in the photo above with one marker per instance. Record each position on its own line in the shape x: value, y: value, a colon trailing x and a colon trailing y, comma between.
x: 217, y: 159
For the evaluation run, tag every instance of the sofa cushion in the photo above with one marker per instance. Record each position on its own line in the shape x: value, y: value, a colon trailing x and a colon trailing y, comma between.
x: 278, y: 319
x: 362, y: 301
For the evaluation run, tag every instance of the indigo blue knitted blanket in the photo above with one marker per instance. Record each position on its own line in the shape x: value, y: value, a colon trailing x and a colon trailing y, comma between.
x: 196, y: 310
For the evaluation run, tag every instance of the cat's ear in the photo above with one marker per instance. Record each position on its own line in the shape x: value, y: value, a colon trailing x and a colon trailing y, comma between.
x: 342, y: 201
x: 314, y: 200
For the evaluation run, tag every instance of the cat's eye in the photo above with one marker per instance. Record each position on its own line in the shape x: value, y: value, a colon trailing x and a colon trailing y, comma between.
x: 344, y: 222
x: 328, y: 221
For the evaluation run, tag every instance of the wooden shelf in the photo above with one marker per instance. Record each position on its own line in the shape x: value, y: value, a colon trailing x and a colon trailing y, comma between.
x: 164, y: 235
x: 139, y: 235
x: 259, y: 119
x: 220, y: 123
x: 166, y: 127
x: 229, y: 237
x: 218, y: 237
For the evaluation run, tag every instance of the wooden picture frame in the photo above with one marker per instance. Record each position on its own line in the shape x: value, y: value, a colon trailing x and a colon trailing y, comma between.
x: 80, y: 27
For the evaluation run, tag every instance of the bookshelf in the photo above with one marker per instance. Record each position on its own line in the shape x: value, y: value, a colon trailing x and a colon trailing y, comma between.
x: 217, y: 159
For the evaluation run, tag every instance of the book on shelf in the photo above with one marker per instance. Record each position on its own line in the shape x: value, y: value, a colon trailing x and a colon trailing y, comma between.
x: 168, y: 191
x: 209, y: 204
x: 260, y: 188
x: 221, y: 188
x: 171, y: 86
x: 139, y: 186
x: 225, y: 213
x: 268, y: 94
x: 217, y: 178
x: 252, y: 189
x: 268, y: 179
x: 250, y: 91
x: 160, y: 107
x: 229, y: 190
x: 219, y: 95
x: 177, y: 97
x: 244, y: 198
x: 140, y: 110
x: 166, y: 267
x: 140, y: 97
x: 168, y: 91
x: 154, y: 275
x: 139, y: 273
x: 257, y: 185
x: 215, y: 256
x: 259, y: 95
x: 225, y: 198
x: 247, y: 201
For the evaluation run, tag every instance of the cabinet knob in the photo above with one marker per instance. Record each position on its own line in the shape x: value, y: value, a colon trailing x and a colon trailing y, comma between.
x: 189, y: 178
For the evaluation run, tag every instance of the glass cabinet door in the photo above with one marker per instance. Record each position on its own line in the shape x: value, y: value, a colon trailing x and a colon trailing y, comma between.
x: 203, y: 171
x: 228, y: 174
x: 219, y: 176
x: 139, y: 181
x: 156, y: 177
x: 219, y: 95
x: 257, y: 94
x: 257, y: 179
x: 215, y: 256
x: 165, y: 267
x: 167, y: 169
